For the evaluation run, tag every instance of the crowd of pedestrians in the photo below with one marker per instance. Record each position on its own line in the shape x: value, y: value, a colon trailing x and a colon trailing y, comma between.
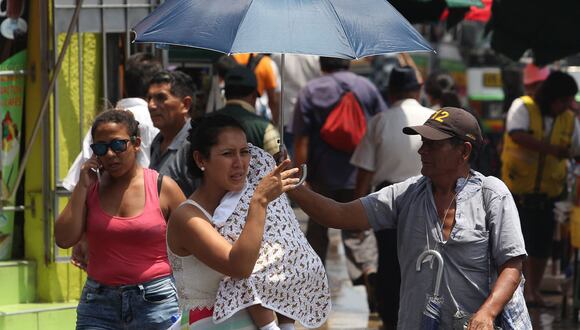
x: 185, y: 221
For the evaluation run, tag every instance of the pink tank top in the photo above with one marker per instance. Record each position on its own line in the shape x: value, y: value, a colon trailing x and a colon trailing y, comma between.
x: 128, y: 250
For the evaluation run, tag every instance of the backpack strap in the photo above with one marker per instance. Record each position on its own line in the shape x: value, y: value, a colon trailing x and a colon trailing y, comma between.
x: 159, y: 183
x: 253, y: 61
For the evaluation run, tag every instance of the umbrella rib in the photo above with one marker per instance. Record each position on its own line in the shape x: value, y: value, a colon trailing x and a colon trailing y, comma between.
x: 241, y: 22
x: 342, y: 27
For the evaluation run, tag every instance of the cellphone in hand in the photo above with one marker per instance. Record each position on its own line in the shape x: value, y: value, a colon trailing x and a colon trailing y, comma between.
x: 98, y: 172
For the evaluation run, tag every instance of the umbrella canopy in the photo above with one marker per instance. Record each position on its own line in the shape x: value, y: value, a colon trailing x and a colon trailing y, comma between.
x: 335, y: 28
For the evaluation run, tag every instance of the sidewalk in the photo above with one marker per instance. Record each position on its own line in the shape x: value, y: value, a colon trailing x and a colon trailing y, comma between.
x: 349, y: 304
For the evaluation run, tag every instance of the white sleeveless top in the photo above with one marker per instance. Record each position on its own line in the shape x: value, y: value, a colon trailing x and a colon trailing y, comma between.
x: 197, y: 284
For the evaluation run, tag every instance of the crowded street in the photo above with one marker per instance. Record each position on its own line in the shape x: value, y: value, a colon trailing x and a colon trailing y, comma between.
x: 350, y: 312
x: 296, y: 164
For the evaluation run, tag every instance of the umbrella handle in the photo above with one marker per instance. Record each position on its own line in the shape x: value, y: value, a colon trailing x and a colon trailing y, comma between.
x: 281, y: 155
x: 303, y: 174
x: 437, y: 255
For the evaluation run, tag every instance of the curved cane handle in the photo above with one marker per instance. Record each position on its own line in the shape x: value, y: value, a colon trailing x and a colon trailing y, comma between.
x: 304, y: 173
x: 439, y: 258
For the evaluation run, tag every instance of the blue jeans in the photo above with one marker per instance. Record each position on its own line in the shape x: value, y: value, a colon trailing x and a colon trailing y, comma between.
x: 150, y: 305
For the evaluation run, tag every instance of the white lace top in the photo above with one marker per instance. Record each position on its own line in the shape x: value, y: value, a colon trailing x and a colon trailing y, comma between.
x: 197, y: 284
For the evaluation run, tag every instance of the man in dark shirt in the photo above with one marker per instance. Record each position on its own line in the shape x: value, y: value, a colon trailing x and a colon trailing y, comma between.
x: 241, y: 94
x: 169, y: 98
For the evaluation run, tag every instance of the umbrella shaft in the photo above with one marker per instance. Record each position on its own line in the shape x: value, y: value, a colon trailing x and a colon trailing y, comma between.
x: 281, y: 101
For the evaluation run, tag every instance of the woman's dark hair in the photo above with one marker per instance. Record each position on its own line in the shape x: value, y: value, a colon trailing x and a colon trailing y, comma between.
x: 118, y: 116
x: 558, y: 85
x: 204, y: 134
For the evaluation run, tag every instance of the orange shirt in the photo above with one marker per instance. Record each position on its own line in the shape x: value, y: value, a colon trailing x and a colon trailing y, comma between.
x: 264, y: 73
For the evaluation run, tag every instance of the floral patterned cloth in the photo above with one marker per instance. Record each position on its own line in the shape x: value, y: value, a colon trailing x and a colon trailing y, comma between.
x: 288, y: 277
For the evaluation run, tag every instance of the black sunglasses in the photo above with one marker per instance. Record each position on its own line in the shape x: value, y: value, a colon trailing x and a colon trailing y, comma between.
x: 117, y: 146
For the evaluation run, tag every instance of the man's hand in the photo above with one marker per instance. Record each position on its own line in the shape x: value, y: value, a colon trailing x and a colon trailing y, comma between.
x: 506, y: 284
x: 482, y: 320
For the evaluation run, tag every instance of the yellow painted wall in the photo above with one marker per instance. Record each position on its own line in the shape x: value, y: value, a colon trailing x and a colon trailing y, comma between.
x: 56, y: 282
x: 68, y: 94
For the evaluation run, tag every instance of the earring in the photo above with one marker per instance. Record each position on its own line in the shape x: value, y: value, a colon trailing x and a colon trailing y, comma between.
x: 202, y: 168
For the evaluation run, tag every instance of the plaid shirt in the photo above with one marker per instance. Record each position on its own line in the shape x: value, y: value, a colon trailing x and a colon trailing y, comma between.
x: 515, y: 313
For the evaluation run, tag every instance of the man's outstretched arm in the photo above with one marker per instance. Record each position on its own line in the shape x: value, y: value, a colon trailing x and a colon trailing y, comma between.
x: 328, y: 212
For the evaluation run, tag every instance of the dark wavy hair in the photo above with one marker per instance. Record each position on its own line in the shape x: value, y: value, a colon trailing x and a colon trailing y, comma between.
x: 558, y: 85
x: 204, y: 134
x: 118, y: 116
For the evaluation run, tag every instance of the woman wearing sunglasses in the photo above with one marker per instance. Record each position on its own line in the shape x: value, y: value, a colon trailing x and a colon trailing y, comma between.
x: 122, y: 209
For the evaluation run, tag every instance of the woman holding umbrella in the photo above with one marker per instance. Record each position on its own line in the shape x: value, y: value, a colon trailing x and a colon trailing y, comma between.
x: 233, y: 245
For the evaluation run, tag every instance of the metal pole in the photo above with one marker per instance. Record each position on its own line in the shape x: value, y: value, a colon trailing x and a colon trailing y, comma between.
x: 81, y: 92
x: 46, y: 100
x: 281, y: 101
x: 127, y: 43
x: 104, y: 58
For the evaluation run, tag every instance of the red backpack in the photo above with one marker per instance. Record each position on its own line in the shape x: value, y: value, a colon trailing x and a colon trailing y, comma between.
x: 346, y: 123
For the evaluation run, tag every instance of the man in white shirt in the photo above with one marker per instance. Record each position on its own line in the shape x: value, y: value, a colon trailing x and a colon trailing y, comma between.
x: 386, y: 156
x: 139, y: 70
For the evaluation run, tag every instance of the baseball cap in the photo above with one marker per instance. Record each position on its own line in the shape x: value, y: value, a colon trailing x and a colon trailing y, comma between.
x: 534, y: 74
x: 242, y: 77
x: 449, y: 122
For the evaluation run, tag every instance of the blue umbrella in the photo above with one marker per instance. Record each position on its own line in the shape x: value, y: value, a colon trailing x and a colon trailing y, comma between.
x: 334, y: 28
x: 432, y: 313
